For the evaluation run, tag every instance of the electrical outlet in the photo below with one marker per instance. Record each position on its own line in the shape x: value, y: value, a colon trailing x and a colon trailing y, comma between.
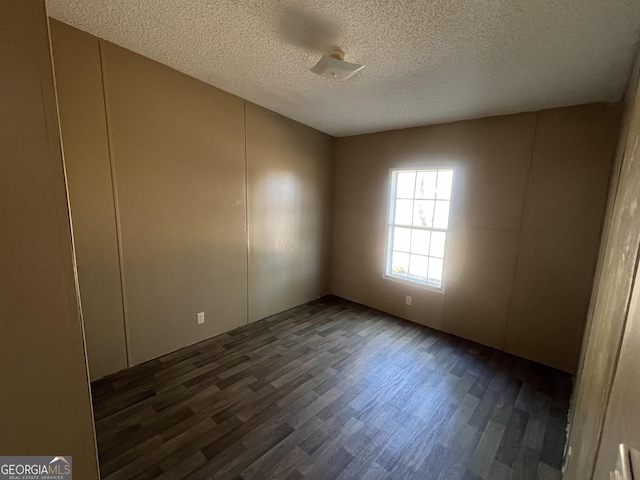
x: 200, y: 318
x: 408, y: 300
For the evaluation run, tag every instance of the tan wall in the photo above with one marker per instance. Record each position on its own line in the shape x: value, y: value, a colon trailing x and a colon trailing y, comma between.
x: 177, y: 149
x: 45, y: 406
x: 84, y: 133
x: 289, y: 207
x: 622, y: 424
x: 609, y: 311
x: 559, y: 241
x: 503, y: 165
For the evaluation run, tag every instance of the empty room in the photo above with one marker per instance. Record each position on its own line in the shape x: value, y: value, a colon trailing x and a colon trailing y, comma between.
x: 320, y: 240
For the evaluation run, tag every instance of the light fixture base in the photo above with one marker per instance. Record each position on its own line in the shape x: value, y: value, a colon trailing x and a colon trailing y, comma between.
x: 333, y: 66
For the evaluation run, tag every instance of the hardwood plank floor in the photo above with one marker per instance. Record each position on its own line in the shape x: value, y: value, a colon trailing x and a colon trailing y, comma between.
x: 333, y: 390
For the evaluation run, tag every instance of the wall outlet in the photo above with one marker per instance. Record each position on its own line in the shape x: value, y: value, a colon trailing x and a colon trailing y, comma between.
x: 408, y: 300
x: 200, y: 318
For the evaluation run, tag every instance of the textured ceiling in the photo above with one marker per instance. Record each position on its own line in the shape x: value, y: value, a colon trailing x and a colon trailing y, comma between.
x: 428, y: 61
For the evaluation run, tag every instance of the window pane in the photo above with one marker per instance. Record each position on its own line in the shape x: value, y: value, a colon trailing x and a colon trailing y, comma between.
x: 437, y: 244
x: 399, y: 263
x: 441, y: 215
x: 404, y: 212
x: 401, y: 239
x: 423, y: 213
x: 418, y: 224
x: 405, y: 183
x: 420, y: 242
x: 435, y: 270
x: 418, y: 267
x: 445, y: 180
x: 426, y: 185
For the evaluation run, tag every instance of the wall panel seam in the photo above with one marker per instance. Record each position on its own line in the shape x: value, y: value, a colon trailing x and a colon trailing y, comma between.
x: 246, y: 203
x: 332, y: 217
x: 46, y: 72
x: 116, y: 205
x: 519, y: 231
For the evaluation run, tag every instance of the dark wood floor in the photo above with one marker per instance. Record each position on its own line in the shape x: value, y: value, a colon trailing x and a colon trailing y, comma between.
x: 333, y: 390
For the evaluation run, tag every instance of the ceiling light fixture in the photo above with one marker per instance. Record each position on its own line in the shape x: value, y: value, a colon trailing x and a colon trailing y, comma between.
x: 334, y: 67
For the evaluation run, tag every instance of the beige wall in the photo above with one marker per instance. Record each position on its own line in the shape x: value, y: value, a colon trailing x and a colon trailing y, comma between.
x: 185, y: 158
x: 606, y: 356
x: 622, y: 424
x: 179, y: 162
x: 501, y: 250
x: 182, y: 179
x: 45, y: 406
x: 289, y: 207
x: 178, y: 150
x: 84, y: 133
x: 563, y: 214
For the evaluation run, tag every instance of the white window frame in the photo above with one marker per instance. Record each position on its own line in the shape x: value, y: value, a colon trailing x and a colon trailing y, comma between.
x: 391, y: 204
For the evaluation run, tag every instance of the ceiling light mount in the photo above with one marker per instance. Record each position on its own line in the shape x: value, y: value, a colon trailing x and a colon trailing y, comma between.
x: 334, y: 66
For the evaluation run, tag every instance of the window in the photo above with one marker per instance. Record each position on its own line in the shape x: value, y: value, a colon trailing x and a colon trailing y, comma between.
x: 418, y: 222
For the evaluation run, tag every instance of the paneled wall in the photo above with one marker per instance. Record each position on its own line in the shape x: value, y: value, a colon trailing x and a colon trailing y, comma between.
x: 45, y: 405
x: 187, y: 199
x: 178, y: 150
x: 86, y: 146
x: 559, y: 240
x: 607, y: 392
x: 158, y: 169
x: 528, y: 201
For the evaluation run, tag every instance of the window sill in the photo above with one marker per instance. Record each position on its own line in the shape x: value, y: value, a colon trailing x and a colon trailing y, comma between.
x: 412, y: 283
